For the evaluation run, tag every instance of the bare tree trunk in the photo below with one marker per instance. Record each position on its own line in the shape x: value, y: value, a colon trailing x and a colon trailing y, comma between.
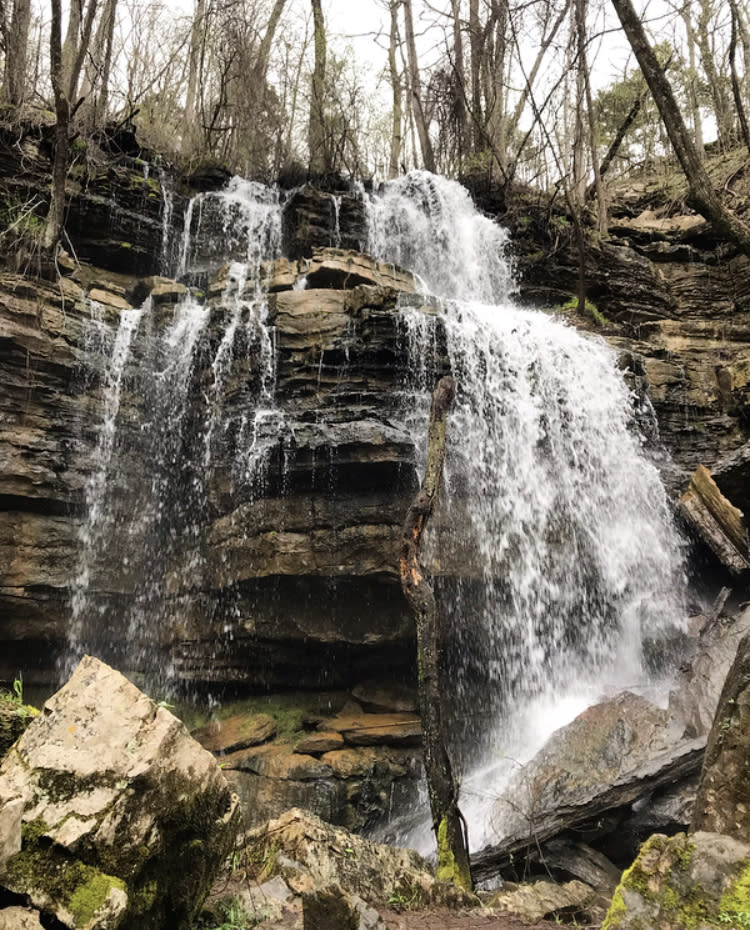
x: 397, y: 140
x: 56, y: 215
x: 453, y: 853
x: 66, y: 62
x: 695, y: 109
x: 736, y: 88
x: 579, y: 148
x: 459, y: 76
x: 583, y: 66
x: 16, y: 41
x: 260, y: 70
x: 316, y: 139
x: 97, y: 73
x: 197, y: 38
x: 476, y: 45
x: 497, y: 117
x: 415, y: 87
x: 744, y: 36
x: 715, y: 84
x: 701, y: 190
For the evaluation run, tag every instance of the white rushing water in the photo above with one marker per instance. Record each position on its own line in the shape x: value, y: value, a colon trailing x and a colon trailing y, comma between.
x: 553, y: 511
x: 92, y: 531
x: 146, y: 497
x: 241, y: 222
x: 554, y: 551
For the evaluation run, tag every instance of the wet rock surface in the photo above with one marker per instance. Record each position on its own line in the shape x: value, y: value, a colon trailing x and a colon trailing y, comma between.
x: 307, y: 566
x: 622, y: 770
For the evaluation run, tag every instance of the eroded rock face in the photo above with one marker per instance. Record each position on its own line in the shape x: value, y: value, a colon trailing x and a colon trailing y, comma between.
x: 100, y: 798
x: 311, y: 559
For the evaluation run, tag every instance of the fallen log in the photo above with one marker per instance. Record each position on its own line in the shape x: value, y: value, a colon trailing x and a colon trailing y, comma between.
x: 716, y: 521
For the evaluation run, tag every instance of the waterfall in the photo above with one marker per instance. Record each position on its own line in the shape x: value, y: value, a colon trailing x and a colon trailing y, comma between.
x: 93, y: 529
x: 554, y: 517
x: 240, y: 223
x: 197, y: 375
x: 553, y: 550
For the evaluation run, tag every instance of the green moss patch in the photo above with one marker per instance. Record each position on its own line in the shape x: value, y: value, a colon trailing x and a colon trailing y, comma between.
x: 659, y: 891
x: 735, y: 902
x: 66, y: 883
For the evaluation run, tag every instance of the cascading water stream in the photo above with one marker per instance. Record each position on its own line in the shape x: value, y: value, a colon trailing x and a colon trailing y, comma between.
x: 553, y: 550
x: 554, y: 517
x: 93, y: 529
x: 193, y: 371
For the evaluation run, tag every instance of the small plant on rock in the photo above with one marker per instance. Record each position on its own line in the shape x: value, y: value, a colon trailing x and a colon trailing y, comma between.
x: 232, y: 916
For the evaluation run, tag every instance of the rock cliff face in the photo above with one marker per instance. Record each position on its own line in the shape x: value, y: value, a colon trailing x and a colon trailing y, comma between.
x: 302, y: 580
x: 293, y: 581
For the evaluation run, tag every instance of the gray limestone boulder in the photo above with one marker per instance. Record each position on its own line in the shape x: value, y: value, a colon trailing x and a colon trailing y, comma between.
x: 111, y: 815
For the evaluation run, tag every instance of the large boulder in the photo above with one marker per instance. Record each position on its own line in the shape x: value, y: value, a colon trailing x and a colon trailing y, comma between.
x: 111, y: 815
x: 699, y: 881
x: 585, y: 780
x: 622, y: 770
x: 723, y: 801
x: 311, y: 855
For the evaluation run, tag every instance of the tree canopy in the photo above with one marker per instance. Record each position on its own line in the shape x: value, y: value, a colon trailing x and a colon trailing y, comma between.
x: 545, y: 92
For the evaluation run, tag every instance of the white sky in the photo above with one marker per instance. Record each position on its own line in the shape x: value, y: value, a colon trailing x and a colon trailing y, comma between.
x: 360, y: 19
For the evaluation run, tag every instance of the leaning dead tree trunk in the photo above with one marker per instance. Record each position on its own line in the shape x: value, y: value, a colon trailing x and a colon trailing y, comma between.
x: 702, y: 192
x: 449, y: 826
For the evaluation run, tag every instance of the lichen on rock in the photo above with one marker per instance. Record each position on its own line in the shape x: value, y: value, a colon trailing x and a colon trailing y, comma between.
x: 113, y: 817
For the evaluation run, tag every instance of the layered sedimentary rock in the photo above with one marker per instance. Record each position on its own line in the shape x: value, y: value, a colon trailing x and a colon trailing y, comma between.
x: 296, y: 582
x: 668, y: 293
x: 293, y: 577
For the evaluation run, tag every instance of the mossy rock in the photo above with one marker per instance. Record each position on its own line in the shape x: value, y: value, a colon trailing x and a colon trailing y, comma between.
x: 82, y: 896
x: 684, y: 883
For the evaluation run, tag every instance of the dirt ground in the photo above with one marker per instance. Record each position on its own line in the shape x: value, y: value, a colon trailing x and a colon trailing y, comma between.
x: 446, y: 919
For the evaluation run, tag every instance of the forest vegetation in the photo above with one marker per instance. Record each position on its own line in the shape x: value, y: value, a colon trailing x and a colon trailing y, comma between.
x: 516, y: 90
